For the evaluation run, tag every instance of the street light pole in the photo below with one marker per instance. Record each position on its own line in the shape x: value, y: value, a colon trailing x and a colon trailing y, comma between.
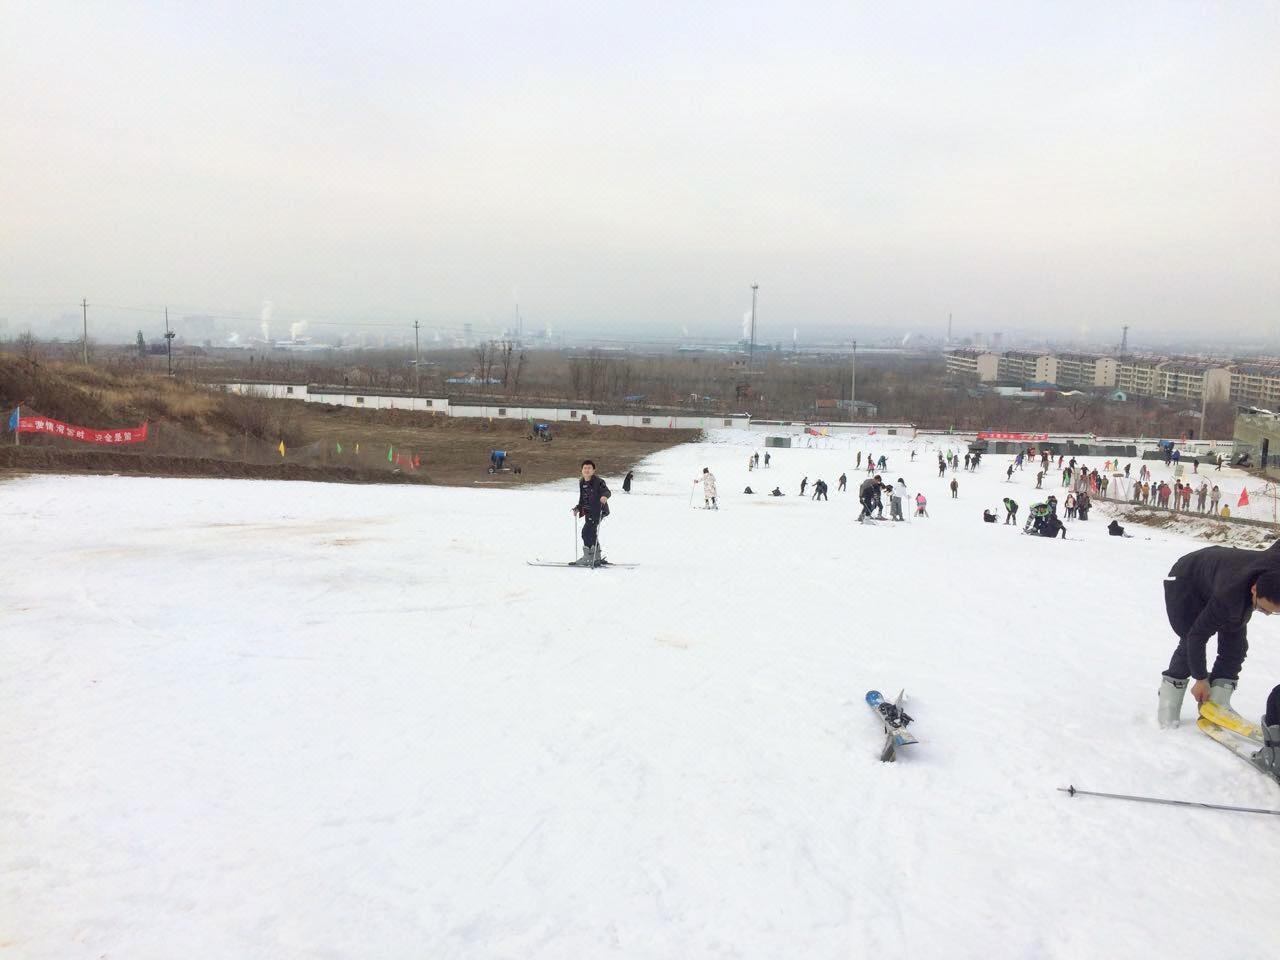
x: 417, y: 362
x: 84, y: 307
x: 168, y: 340
x: 1204, y: 401
x: 751, y: 355
x: 853, y: 379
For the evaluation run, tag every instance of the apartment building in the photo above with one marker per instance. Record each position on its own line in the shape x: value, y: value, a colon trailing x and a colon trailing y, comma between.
x: 1194, y: 381
x: 1020, y: 366
x: 1256, y: 383
x: 976, y: 364
x: 1086, y: 370
x: 1140, y: 376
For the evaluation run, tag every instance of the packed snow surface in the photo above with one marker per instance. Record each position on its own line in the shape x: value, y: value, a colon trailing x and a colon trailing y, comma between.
x: 276, y: 720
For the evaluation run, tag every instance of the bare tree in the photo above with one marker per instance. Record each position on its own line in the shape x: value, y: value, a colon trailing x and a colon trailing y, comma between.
x: 515, y: 377
x: 485, y: 354
x: 28, y: 346
x: 506, y: 356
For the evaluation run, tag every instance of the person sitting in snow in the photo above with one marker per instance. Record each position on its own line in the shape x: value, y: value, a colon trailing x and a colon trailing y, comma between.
x: 988, y: 516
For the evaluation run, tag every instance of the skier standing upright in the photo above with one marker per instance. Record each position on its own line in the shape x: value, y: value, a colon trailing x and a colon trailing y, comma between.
x: 708, y: 481
x: 593, y: 507
x: 1010, y: 511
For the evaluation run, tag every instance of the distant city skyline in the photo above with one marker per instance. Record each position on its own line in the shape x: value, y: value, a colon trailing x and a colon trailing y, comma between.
x: 1052, y: 170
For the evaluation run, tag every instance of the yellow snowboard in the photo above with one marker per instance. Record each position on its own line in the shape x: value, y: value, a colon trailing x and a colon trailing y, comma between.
x: 1228, y: 719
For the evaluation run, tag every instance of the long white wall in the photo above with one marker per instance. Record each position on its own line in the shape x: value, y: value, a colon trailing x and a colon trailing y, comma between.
x: 442, y: 405
x: 656, y: 421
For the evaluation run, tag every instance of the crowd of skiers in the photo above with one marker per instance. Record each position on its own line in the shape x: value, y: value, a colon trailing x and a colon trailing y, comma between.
x: 1179, y: 496
x: 1210, y: 591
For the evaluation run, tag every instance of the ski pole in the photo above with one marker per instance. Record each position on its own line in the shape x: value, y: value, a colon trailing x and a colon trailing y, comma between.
x: 691, y: 489
x: 1072, y: 791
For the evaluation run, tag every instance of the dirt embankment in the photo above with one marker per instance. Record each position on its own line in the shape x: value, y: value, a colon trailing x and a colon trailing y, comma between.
x: 197, y: 431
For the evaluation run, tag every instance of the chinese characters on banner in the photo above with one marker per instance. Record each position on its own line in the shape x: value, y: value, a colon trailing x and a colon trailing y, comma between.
x: 986, y: 435
x: 38, y: 424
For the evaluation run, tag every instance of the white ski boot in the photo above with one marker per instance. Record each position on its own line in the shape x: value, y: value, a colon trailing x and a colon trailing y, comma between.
x: 1220, y: 692
x: 1172, y: 693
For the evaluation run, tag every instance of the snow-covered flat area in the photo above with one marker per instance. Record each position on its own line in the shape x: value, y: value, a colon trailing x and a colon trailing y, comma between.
x: 283, y: 720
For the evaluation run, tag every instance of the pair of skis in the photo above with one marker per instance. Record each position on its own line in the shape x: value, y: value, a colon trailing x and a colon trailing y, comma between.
x: 1223, y: 725
x: 895, y: 721
x: 603, y: 565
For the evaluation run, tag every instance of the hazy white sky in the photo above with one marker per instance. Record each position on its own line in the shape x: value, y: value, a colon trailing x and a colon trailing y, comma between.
x: 1063, y: 165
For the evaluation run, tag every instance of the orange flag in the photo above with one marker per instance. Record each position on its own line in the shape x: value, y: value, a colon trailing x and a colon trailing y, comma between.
x: 1244, y: 499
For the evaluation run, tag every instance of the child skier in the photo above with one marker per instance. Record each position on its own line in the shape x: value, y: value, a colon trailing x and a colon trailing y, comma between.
x: 593, y: 507
x: 708, y: 481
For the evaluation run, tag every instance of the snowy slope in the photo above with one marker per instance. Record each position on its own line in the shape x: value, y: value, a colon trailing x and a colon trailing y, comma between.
x: 263, y: 720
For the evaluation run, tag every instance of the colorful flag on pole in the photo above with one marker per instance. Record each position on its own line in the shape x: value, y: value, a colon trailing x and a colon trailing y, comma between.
x: 1244, y: 499
x: 339, y: 448
x: 14, y: 418
x: 389, y: 454
x: 282, y: 448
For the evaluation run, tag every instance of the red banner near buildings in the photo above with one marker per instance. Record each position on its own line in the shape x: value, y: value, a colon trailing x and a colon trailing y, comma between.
x: 984, y: 435
x: 57, y: 428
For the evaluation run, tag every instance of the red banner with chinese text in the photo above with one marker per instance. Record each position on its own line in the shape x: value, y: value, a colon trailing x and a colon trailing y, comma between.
x: 985, y: 435
x: 38, y: 424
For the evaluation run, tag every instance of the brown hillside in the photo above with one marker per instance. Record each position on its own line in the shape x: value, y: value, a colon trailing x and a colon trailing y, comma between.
x: 198, y: 431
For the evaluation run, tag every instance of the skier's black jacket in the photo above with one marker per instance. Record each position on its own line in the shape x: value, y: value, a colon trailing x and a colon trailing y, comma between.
x: 589, y: 494
x: 1211, y: 588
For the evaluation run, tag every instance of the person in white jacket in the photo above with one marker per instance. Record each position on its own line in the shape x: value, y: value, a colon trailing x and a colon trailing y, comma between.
x: 896, y: 499
x: 708, y: 489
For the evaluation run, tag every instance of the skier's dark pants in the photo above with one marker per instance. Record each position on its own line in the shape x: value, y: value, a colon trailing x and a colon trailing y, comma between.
x: 1010, y: 516
x: 1272, y: 717
x: 589, y: 529
x: 1233, y: 645
x: 868, y: 505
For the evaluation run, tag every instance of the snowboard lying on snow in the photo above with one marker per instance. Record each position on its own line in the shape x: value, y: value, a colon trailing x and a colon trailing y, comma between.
x: 894, y: 720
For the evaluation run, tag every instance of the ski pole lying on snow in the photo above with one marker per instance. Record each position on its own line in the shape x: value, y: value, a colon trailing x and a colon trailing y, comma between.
x: 1072, y: 791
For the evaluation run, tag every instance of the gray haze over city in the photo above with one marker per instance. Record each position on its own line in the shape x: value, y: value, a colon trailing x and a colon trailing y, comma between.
x: 1044, y: 169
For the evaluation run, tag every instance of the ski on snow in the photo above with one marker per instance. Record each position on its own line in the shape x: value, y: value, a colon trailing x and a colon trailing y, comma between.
x: 577, y: 566
x: 1242, y: 745
x: 1228, y: 718
x: 895, y: 721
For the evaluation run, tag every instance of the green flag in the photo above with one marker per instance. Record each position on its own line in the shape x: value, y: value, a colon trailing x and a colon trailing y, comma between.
x: 388, y: 454
x: 339, y: 448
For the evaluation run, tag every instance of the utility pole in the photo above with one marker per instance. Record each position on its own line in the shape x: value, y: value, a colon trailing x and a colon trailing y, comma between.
x: 751, y: 355
x: 84, y: 307
x: 1204, y: 400
x: 1124, y: 341
x: 417, y: 362
x: 853, y: 379
x: 168, y: 340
